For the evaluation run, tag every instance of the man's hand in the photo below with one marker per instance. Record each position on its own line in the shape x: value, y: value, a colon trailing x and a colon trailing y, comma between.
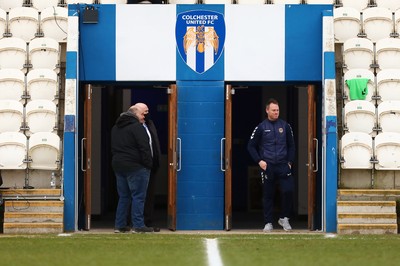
x: 263, y: 165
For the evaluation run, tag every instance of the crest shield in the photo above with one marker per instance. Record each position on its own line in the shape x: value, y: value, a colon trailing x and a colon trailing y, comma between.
x: 200, y: 38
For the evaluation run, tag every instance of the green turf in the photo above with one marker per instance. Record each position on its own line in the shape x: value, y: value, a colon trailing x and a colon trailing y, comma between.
x: 184, y: 249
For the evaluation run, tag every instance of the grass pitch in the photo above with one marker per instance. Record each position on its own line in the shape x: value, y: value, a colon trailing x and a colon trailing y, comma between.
x: 190, y: 249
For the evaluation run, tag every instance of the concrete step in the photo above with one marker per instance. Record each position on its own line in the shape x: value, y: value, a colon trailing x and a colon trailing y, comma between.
x: 367, y: 218
x: 34, y: 206
x: 32, y: 228
x: 366, y: 207
x: 30, y: 193
x: 33, y: 217
x: 367, y: 229
x: 368, y: 194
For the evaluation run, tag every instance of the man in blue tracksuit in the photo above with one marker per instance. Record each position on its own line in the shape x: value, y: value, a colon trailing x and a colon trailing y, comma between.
x: 271, y: 145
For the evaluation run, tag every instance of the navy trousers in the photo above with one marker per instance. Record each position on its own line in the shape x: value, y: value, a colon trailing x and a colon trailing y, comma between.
x: 277, y: 173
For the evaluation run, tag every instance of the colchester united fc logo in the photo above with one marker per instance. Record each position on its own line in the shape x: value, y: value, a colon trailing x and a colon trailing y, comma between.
x: 200, y: 37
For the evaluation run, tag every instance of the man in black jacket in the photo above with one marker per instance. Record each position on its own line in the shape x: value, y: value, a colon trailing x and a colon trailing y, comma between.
x: 131, y: 161
x: 271, y: 145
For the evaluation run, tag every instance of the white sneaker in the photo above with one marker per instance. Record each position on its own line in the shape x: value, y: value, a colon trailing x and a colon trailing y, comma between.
x: 268, y: 227
x: 284, y: 222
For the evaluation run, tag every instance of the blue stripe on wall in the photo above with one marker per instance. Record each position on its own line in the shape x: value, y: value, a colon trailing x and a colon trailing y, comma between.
x: 71, y: 72
x: 329, y: 65
x: 331, y: 173
x: 303, y: 25
x: 69, y: 179
x: 97, y: 46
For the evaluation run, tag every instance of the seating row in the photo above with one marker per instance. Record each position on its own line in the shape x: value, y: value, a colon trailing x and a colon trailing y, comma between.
x: 39, y: 53
x: 362, y: 53
x: 362, y: 116
x: 359, y: 151
x: 38, y: 84
x: 27, y: 23
x: 373, y: 23
x: 362, y: 84
x: 36, y: 116
x: 40, y: 151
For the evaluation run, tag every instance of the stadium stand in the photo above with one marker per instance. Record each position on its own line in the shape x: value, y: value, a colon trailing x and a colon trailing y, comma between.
x: 3, y: 23
x: 389, y: 116
x: 11, y: 116
x: 387, y: 151
x: 44, y: 151
x: 392, y: 5
x: 42, y: 84
x: 347, y: 23
x: 13, y: 53
x: 352, y: 81
x: 23, y: 22
x: 54, y: 23
x: 13, y: 150
x: 7, y: 5
x: 44, y: 53
x: 358, y: 53
x: 12, y: 85
x: 360, y: 116
x: 377, y: 23
x: 388, y: 85
x: 356, y: 151
x: 42, y: 4
x: 388, y: 53
x: 41, y: 116
x: 357, y: 4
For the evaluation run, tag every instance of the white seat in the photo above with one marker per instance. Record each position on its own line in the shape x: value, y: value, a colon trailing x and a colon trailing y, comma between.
x: 23, y: 22
x: 354, y: 74
x: 13, y: 150
x: 54, y: 23
x: 389, y: 116
x: 320, y: 2
x: 13, y: 53
x: 392, y: 5
x: 388, y: 85
x: 11, y: 116
x: 347, y: 23
x: 397, y: 20
x: 251, y: 2
x: 388, y: 53
x: 79, y: 1
x: 44, y: 53
x: 358, y: 53
x: 113, y: 2
x: 44, y: 151
x: 356, y: 151
x: 387, y: 151
x: 12, y: 85
x: 42, y: 84
x: 7, y: 5
x: 226, y: 2
x: 41, y: 116
x: 42, y: 4
x: 3, y: 22
x: 357, y: 4
x: 377, y: 23
x: 182, y: 1
x: 286, y: 2
x: 360, y: 116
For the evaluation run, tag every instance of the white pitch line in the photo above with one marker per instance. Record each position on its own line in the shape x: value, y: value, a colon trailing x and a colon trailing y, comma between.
x: 214, y: 258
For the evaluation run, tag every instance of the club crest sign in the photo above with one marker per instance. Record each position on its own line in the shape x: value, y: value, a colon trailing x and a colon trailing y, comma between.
x: 200, y: 38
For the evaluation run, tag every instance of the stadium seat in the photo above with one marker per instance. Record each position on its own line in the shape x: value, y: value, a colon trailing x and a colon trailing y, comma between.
x: 356, y: 151
x: 388, y: 85
x: 113, y: 1
x: 3, y: 22
x: 251, y: 2
x: 44, y: 151
x: 357, y: 4
x: 388, y: 53
x: 347, y: 23
x: 392, y: 5
x: 42, y: 84
x: 286, y: 2
x: 12, y: 85
x: 54, y: 23
x: 42, y: 4
x: 13, y: 150
x: 44, y: 53
x: 41, y: 116
x: 358, y: 53
x: 359, y: 73
x: 226, y: 2
x: 377, y: 23
x: 7, y: 5
x: 389, y: 116
x: 23, y: 22
x: 13, y: 53
x: 182, y: 1
x: 387, y: 151
x: 360, y: 116
x: 11, y: 116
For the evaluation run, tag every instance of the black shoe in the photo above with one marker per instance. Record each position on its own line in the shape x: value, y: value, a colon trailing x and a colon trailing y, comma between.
x: 144, y: 229
x: 156, y: 229
x: 122, y: 230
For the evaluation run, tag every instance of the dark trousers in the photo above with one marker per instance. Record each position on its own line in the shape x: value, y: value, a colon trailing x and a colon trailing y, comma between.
x: 149, y: 202
x: 277, y: 173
